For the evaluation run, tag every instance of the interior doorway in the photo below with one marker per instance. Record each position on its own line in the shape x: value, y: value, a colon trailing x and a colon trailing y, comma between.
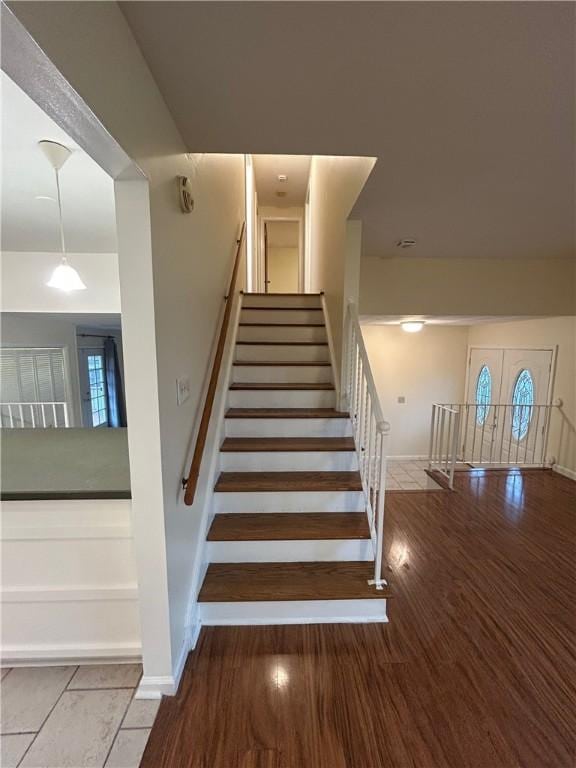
x: 282, y: 255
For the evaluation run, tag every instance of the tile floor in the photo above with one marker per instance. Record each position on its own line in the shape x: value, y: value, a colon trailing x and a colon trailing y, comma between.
x: 73, y: 717
x: 409, y: 476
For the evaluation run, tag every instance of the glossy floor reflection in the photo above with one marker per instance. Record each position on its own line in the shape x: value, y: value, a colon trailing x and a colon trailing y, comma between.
x: 475, y: 669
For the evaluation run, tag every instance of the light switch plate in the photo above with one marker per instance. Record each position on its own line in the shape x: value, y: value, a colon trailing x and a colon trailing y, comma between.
x: 182, y: 389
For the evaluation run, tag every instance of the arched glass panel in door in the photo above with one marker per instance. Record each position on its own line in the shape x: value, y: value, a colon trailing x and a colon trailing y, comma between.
x: 522, y: 402
x: 483, y: 394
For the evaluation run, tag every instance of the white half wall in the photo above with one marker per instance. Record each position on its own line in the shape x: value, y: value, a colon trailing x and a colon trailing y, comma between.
x: 69, y: 589
x: 24, y: 278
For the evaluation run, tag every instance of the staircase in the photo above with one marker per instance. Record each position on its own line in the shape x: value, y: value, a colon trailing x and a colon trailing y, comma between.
x: 289, y: 541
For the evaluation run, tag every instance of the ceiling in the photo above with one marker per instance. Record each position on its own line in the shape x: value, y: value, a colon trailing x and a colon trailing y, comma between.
x: 29, y: 224
x: 283, y: 234
x: 289, y: 193
x: 468, y: 106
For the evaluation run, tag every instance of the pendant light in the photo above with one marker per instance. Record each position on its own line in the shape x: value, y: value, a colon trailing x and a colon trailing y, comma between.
x: 64, y: 277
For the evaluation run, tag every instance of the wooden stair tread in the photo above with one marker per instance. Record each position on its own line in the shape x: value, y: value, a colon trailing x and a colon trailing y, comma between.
x: 288, y: 481
x: 291, y: 294
x: 284, y: 343
x: 282, y: 386
x: 293, y: 363
x: 283, y: 309
x: 279, y: 444
x: 281, y: 325
x: 287, y: 526
x: 246, y: 582
x: 285, y: 413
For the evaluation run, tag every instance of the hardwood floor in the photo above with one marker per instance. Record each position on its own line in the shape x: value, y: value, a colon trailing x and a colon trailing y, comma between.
x: 476, y: 669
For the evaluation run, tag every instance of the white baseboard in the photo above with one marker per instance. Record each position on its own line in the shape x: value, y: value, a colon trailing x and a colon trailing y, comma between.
x: 83, y: 653
x: 570, y: 473
x: 415, y: 457
x: 152, y: 687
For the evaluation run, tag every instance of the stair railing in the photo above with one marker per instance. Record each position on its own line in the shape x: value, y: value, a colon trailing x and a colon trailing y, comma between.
x: 370, y: 431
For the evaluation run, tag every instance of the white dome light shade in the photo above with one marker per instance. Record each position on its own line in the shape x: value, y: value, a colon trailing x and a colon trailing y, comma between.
x: 412, y: 326
x: 66, y: 278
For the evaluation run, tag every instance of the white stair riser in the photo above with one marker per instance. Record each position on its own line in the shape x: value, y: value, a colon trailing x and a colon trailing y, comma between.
x: 278, y: 333
x: 294, y: 300
x: 280, y: 352
x: 293, y: 612
x: 278, y: 374
x: 329, y: 550
x: 281, y: 316
x: 289, y: 501
x: 289, y: 461
x: 288, y: 428
x: 281, y: 398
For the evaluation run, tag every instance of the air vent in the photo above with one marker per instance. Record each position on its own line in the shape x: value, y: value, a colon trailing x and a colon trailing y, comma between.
x: 280, y: 194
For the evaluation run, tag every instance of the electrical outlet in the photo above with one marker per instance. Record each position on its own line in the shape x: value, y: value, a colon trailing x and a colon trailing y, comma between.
x: 182, y: 389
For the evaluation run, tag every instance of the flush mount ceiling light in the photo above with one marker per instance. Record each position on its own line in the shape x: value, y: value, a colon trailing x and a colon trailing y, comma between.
x: 282, y: 177
x: 406, y: 242
x: 412, y: 326
x: 64, y: 277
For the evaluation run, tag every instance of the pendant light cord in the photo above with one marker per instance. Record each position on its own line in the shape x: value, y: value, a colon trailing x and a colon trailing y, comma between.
x: 62, y: 242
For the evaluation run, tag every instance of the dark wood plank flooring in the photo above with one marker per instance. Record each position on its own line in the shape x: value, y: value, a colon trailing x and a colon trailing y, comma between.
x: 288, y: 526
x: 476, y: 668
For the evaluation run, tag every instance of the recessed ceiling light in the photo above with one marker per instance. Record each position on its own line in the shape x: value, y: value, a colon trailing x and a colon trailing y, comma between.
x: 406, y: 242
x: 412, y: 326
x: 282, y: 177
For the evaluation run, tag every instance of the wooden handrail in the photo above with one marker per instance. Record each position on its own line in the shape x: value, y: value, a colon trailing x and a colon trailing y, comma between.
x: 192, y: 480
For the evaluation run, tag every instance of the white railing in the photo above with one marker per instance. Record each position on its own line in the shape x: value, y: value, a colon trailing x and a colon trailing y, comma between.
x: 488, y: 434
x: 370, y: 433
x: 444, y: 437
x: 34, y: 415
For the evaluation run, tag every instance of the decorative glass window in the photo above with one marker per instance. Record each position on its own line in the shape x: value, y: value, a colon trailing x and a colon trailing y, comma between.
x: 483, y: 394
x: 522, y: 401
x: 98, y: 404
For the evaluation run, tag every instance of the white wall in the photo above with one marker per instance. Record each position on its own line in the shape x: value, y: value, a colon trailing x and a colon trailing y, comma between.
x: 69, y: 588
x: 335, y: 183
x: 425, y: 368
x: 173, y: 277
x: 546, y: 332
x: 24, y: 278
x: 410, y: 285
x: 36, y: 331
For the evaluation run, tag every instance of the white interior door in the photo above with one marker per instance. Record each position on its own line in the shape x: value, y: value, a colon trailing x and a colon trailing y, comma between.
x: 485, y: 367
x: 526, y: 378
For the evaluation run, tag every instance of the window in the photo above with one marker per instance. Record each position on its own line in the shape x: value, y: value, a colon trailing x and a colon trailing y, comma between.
x: 522, y: 401
x: 483, y: 394
x: 33, y: 387
x: 98, y: 404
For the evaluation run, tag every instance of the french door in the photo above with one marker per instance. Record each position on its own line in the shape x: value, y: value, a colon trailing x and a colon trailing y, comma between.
x: 93, y: 387
x: 505, y: 421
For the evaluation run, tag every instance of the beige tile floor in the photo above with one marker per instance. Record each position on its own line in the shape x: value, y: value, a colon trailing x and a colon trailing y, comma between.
x: 73, y: 717
x: 409, y: 476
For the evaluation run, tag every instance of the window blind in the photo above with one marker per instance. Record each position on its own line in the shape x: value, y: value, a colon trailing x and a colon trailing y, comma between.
x: 32, y: 375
